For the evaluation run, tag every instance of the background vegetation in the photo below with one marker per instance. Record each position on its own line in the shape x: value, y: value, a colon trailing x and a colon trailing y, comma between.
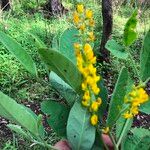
x: 27, y: 18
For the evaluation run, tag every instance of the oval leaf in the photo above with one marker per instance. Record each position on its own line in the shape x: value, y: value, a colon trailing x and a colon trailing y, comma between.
x: 63, y: 88
x: 57, y: 119
x: 116, y: 49
x: 130, y: 34
x: 15, y: 48
x: 67, y: 40
x: 117, y: 99
x: 80, y: 133
x: 145, y: 58
x: 63, y: 67
x: 19, y: 114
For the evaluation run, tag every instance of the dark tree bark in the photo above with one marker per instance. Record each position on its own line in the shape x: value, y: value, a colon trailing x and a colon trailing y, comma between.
x: 54, y: 7
x: 5, y: 4
x: 107, y: 15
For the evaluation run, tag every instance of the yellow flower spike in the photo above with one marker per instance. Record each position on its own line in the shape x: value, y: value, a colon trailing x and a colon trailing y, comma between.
x: 89, y: 14
x: 135, y: 98
x: 80, y: 8
x: 94, y: 120
x: 105, y: 130
x: 76, y: 18
x: 94, y: 107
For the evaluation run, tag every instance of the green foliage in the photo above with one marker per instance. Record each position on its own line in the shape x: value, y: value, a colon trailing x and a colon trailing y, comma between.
x: 18, y: 130
x: 116, y: 49
x: 139, y: 139
x: 19, y: 114
x: 117, y: 99
x: 67, y: 39
x: 145, y: 58
x: 62, y: 66
x: 104, y: 96
x: 16, y: 50
x: 80, y: 133
x: 145, y: 108
x: 58, y: 115
x: 63, y: 88
x: 129, y: 32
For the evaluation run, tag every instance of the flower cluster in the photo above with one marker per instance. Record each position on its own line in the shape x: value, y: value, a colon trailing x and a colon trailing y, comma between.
x: 84, y: 22
x: 135, y: 98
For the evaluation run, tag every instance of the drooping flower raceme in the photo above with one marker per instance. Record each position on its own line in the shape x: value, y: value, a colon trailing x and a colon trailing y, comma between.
x: 135, y: 98
x: 84, y: 22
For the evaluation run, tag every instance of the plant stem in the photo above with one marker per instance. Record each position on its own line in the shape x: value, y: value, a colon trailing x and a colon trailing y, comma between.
x: 113, y: 141
x: 134, y: 66
x: 122, y: 133
x: 99, y: 133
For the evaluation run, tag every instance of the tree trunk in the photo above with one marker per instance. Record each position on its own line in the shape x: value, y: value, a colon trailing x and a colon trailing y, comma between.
x: 54, y: 7
x: 5, y: 4
x: 107, y: 14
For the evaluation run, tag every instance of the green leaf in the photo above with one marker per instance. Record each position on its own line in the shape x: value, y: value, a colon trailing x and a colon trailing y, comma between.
x: 63, y: 67
x: 15, y: 48
x: 98, y: 144
x: 58, y: 116
x: 139, y: 137
x: 66, y: 43
x: 145, y: 108
x: 104, y: 96
x: 63, y: 88
x: 145, y: 58
x: 37, y: 41
x: 19, y: 114
x: 121, y: 121
x: 80, y: 133
x: 130, y: 34
x: 120, y: 125
x: 18, y: 130
x: 116, y: 49
x: 117, y: 99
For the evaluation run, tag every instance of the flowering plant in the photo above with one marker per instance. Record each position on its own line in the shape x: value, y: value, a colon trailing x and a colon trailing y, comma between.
x: 74, y: 75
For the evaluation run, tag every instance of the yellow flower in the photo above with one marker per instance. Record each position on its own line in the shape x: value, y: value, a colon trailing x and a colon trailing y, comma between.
x: 94, y: 106
x: 86, y: 96
x: 84, y: 86
x: 76, y: 45
x: 135, y: 98
x: 91, y: 36
x: 94, y: 120
x: 95, y: 89
x: 99, y: 101
x: 85, y: 103
x: 87, y: 48
x: 127, y: 115
x: 82, y: 27
x: 76, y: 18
x: 91, y: 23
x: 105, y: 130
x: 80, y: 8
x: 89, y: 14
